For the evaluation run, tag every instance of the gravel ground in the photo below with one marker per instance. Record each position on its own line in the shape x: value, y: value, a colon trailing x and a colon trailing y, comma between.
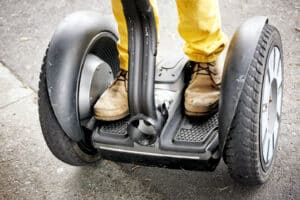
x: 29, y: 171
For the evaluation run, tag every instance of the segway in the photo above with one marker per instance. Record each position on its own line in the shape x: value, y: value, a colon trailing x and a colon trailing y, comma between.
x: 82, y: 61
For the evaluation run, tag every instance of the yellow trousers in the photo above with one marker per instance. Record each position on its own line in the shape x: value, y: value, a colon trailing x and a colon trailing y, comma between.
x: 199, y: 26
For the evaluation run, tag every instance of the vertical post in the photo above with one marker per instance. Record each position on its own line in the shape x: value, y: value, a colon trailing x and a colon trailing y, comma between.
x: 142, y: 44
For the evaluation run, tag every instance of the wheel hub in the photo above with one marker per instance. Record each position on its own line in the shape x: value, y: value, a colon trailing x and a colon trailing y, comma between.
x: 96, y: 76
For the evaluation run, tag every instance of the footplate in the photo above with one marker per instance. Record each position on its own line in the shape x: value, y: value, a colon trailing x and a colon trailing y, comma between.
x: 184, y: 143
x: 193, y: 131
x: 113, y: 133
x: 117, y: 128
x: 190, y: 135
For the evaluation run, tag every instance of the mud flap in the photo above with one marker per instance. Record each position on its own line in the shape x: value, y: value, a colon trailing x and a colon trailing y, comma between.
x: 238, y: 60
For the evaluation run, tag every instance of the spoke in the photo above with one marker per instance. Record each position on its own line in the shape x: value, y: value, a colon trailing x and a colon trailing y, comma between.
x: 271, y: 65
x: 265, y: 146
x: 271, y: 149
x: 266, y: 91
x: 264, y: 124
x: 264, y: 135
x: 276, y: 129
x: 271, y: 73
x: 276, y: 59
x: 267, y: 149
x: 279, y: 101
x: 279, y: 75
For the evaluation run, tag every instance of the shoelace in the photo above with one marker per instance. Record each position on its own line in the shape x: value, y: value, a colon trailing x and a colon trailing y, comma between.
x: 121, y: 76
x: 200, y: 68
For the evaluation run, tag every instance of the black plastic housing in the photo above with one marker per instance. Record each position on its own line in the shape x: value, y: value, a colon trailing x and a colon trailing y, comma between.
x: 142, y: 44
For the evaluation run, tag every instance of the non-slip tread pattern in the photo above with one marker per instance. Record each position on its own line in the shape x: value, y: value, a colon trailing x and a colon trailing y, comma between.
x: 198, y: 132
x: 115, y: 128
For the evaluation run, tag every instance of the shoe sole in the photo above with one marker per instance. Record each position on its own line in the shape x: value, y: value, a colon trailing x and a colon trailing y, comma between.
x: 214, y: 109
x: 188, y: 113
x: 200, y: 114
x: 111, y: 118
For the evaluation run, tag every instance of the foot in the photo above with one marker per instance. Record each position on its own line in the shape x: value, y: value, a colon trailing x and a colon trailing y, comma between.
x: 113, y: 103
x: 203, y: 92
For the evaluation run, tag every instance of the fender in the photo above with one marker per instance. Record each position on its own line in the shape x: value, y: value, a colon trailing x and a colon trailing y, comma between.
x: 66, y: 53
x: 240, y: 54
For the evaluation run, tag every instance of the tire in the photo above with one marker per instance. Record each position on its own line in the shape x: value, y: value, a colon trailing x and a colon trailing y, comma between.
x: 65, y: 149
x: 243, y: 149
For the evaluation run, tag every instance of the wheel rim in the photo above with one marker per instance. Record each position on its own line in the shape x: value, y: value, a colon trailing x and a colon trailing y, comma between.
x: 271, y: 107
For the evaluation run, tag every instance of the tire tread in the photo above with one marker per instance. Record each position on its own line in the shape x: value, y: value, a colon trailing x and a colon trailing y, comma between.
x: 241, y: 152
x: 58, y: 142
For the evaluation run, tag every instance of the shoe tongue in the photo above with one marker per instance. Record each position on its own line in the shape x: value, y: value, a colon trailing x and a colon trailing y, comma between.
x: 205, y: 68
x: 201, y: 67
x: 123, y: 75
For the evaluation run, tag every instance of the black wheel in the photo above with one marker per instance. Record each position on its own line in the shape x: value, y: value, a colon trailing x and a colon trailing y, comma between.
x: 99, y: 66
x: 65, y: 149
x: 251, y: 145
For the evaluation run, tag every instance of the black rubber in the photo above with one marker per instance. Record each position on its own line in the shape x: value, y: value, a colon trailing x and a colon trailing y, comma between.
x: 242, y: 150
x: 197, y: 131
x: 59, y: 143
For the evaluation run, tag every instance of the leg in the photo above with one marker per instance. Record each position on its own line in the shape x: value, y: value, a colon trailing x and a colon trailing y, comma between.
x: 200, y: 27
x: 113, y: 104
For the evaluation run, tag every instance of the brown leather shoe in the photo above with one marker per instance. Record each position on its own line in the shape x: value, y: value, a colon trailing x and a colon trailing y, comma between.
x: 113, y: 103
x: 203, y: 92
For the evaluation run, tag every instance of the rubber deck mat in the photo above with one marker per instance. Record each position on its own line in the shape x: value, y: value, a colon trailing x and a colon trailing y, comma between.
x: 196, y: 131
